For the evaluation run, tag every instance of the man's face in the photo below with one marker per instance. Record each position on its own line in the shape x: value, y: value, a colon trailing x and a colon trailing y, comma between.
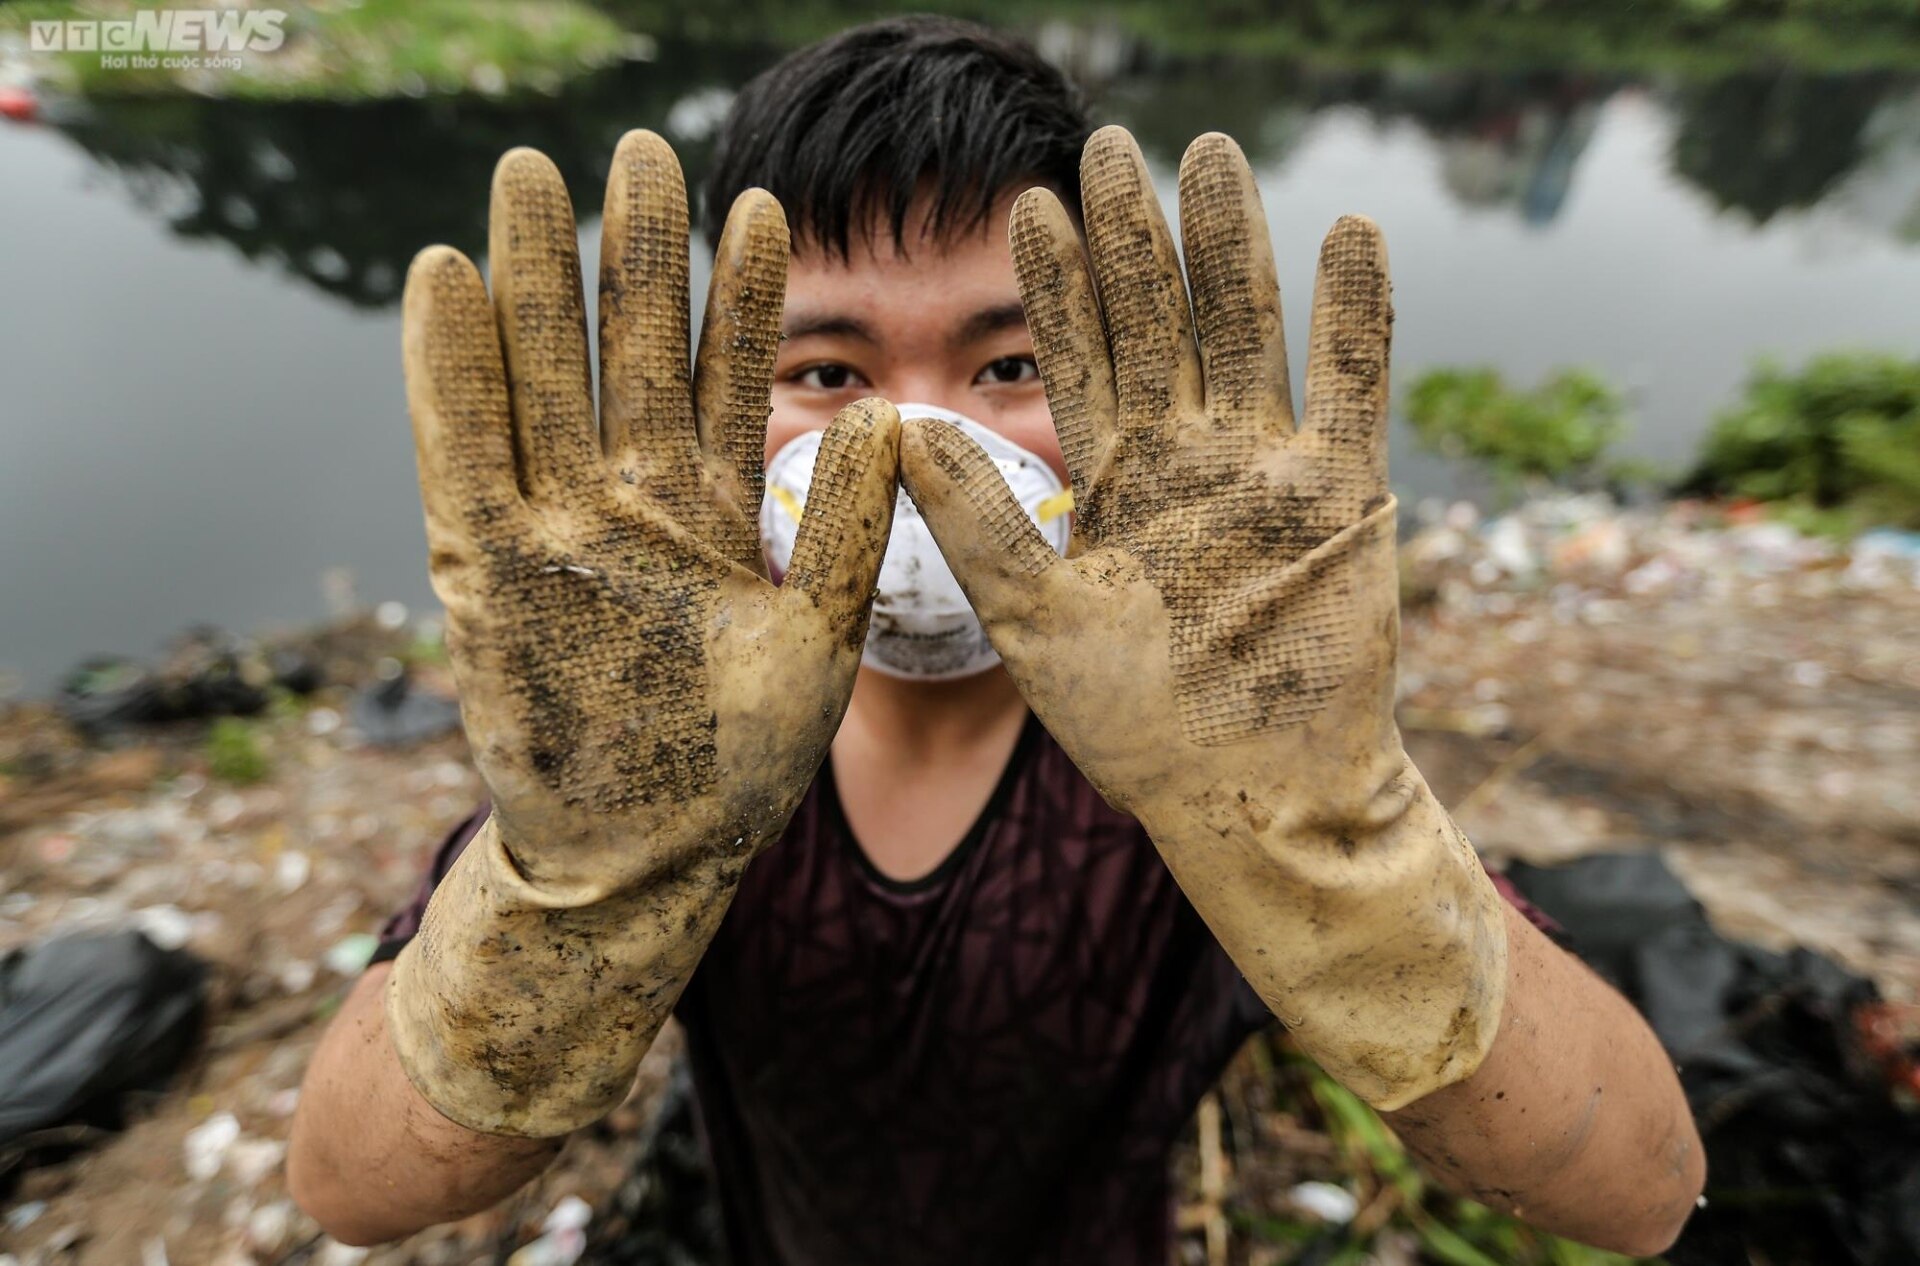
x: 939, y: 325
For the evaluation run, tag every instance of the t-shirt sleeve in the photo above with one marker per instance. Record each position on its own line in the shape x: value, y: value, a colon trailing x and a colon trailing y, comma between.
x: 1250, y: 1015
x: 1534, y: 914
x: 404, y: 923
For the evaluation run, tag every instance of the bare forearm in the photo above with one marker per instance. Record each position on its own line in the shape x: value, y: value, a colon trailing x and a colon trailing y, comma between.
x: 370, y: 1159
x: 1575, y: 1121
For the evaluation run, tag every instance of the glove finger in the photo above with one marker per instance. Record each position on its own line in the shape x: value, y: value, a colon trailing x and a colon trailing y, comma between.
x: 1149, y: 322
x: 646, y: 397
x: 848, y: 517
x: 986, y: 537
x: 535, y: 255
x: 1236, y: 292
x: 1349, y: 345
x: 1069, y: 342
x: 739, y: 338
x: 457, y: 396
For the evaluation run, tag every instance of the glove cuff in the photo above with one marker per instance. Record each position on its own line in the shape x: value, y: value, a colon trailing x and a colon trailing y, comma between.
x: 1409, y: 975
x: 515, y: 1014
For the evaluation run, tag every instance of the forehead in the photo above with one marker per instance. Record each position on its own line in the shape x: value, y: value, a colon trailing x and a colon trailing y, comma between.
x: 953, y: 273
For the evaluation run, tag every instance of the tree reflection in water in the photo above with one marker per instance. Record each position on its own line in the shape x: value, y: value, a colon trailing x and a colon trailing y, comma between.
x: 344, y: 195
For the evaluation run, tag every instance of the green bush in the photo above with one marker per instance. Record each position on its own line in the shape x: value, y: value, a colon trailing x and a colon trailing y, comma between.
x: 1558, y: 432
x: 1837, y: 442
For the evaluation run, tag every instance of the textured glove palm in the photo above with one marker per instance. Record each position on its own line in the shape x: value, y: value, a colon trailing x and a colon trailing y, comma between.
x: 645, y: 707
x: 1217, y: 651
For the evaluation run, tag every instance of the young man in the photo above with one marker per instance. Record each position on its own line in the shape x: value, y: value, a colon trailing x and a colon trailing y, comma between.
x: 958, y: 944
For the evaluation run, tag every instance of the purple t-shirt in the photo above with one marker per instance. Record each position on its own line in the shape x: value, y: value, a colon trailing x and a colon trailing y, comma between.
x: 987, y: 1065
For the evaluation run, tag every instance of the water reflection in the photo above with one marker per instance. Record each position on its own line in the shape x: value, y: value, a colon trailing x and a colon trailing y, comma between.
x: 1766, y: 143
x: 1756, y: 142
x: 204, y: 410
x: 342, y: 196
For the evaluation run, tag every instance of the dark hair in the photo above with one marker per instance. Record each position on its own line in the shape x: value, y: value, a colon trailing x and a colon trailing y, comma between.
x: 867, y: 122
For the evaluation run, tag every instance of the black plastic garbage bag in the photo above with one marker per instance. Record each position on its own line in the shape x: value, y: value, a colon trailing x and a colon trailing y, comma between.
x: 1811, y: 1158
x: 102, y: 694
x: 86, y: 1018
x: 208, y: 673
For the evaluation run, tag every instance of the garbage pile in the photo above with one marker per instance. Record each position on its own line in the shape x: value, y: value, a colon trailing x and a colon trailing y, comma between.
x: 1587, y: 552
x: 1751, y: 683
x: 177, y: 923
x: 209, y: 673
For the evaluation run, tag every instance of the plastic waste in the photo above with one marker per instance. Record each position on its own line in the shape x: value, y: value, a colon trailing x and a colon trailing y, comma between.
x: 350, y: 955
x: 205, y: 1147
x: 86, y: 1018
x: 393, y: 712
x: 562, y: 1236
x: 208, y: 673
x: 19, y: 104
x: 1813, y: 1155
x: 102, y: 693
x: 1325, y: 1201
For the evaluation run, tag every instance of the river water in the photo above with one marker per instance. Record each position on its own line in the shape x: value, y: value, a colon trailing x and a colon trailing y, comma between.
x: 201, y: 409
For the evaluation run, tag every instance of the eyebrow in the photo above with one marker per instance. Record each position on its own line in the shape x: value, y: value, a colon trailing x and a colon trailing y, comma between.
x: 807, y: 324
x: 979, y: 325
x: 987, y: 321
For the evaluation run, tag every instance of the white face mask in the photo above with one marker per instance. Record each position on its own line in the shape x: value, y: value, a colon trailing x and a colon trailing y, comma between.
x: 922, y: 626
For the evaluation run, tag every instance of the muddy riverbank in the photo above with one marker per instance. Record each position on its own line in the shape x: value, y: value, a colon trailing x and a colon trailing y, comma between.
x: 1574, y: 679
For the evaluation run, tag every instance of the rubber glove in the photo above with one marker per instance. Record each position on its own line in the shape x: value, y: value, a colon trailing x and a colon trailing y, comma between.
x: 644, y: 706
x: 1217, y: 651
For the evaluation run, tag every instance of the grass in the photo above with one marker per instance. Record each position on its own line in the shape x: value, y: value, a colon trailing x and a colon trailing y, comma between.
x: 1395, y: 1200
x: 234, y: 752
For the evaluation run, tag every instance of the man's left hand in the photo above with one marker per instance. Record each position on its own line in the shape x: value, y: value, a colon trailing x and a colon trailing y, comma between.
x: 1217, y: 651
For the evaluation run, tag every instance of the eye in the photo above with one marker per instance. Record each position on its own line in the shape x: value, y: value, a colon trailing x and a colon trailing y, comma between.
x: 828, y: 378
x: 1009, y: 369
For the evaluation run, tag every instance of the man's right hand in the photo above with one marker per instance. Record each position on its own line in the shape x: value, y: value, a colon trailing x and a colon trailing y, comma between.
x: 644, y: 705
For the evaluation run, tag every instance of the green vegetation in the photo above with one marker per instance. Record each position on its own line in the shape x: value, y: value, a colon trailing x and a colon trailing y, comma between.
x: 1836, y: 444
x: 1392, y: 1194
x: 1683, y: 36
x: 427, y: 649
x: 234, y: 753
x: 1557, y: 433
x: 389, y: 48
x: 373, y: 48
x: 283, y: 705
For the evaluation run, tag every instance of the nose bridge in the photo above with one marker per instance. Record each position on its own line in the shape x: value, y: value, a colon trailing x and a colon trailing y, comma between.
x: 926, y: 384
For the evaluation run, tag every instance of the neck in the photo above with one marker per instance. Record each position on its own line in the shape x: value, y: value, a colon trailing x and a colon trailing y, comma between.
x: 920, y: 721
